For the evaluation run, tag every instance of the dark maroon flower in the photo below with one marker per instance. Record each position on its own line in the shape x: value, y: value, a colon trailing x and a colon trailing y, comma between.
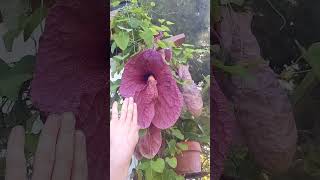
x: 71, y: 73
x: 149, y: 80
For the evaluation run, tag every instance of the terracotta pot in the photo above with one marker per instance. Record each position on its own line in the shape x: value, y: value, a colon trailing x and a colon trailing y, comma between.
x: 189, y: 161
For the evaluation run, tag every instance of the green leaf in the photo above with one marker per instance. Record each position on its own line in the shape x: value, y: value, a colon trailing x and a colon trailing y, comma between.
x: 149, y: 173
x: 237, y: 70
x: 309, y: 82
x: 170, y: 174
x: 145, y: 24
x: 11, y: 79
x: 166, y: 34
x: 4, y: 68
x: 161, y: 44
x: 120, y: 58
x: 161, y: 20
x: 182, y: 146
x: 122, y: 40
x: 30, y: 121
x: 8, y: 38
x: 25, y: 65
x: 114, y: 86
x: 172, y: 147
x: 19, y: 114
x: 188, y: 45
x: 169, y: 23
x: 158, y: 165
x: 123, y: 28
x: 172, y: 162
x: 197, y: 137
x: 134, y: 23
x: 142, y: 132
x: 144, y: 165
x: 11, y: 85
x: 313, y: 58
x: 115, y: 3
x: 177, y: 133
x: 147, y: 36
x: 165, y: 28
x: 31, y: 142
x: 180, y: 178
x: 113, y: 47
x: 33, y: 21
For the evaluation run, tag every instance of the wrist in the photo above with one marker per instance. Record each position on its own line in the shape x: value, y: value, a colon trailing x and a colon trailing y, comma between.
x: 118, y: 171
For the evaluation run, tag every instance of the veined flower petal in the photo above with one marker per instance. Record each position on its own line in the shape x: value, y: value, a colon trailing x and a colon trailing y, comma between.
x: 149, y: 145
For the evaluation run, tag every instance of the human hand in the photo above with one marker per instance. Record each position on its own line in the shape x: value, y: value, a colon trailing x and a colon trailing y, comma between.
x: 61, y: 152
x: 124, y: 136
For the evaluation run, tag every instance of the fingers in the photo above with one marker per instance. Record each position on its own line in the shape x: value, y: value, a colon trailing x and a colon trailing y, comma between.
x: 129, y: 111
x: 64, y: 148
x: 114, y: 116
x: 45, y: 155
x: 80, y: 168
x: 15, y: 162
x: 135, y: 117
x: 124, y: 110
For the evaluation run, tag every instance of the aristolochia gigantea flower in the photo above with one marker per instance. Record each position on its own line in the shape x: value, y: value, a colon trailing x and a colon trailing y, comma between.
x: 149, y: 80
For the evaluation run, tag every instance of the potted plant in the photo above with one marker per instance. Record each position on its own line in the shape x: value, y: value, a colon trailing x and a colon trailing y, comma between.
x: 189, y: 161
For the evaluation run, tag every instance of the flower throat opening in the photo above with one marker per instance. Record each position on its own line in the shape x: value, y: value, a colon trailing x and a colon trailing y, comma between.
x: 147, y: 75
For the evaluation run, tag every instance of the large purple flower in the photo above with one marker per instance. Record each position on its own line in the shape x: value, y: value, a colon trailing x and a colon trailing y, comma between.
x: 149, y: 80
x: 71, y: 73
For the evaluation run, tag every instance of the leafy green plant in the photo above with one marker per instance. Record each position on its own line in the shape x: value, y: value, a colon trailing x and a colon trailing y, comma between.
x: 26, y: 24
x: 133, y: 29
x: 11, y: 78
x: 15, y: 81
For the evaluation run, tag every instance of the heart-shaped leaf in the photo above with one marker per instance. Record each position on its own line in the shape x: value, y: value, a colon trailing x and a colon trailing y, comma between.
x: 122, y: 39
x: 158, y: 165
x: 147, y: 36
x: 172, y: 162
x: 33, y: 22
x: 12, y: 78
